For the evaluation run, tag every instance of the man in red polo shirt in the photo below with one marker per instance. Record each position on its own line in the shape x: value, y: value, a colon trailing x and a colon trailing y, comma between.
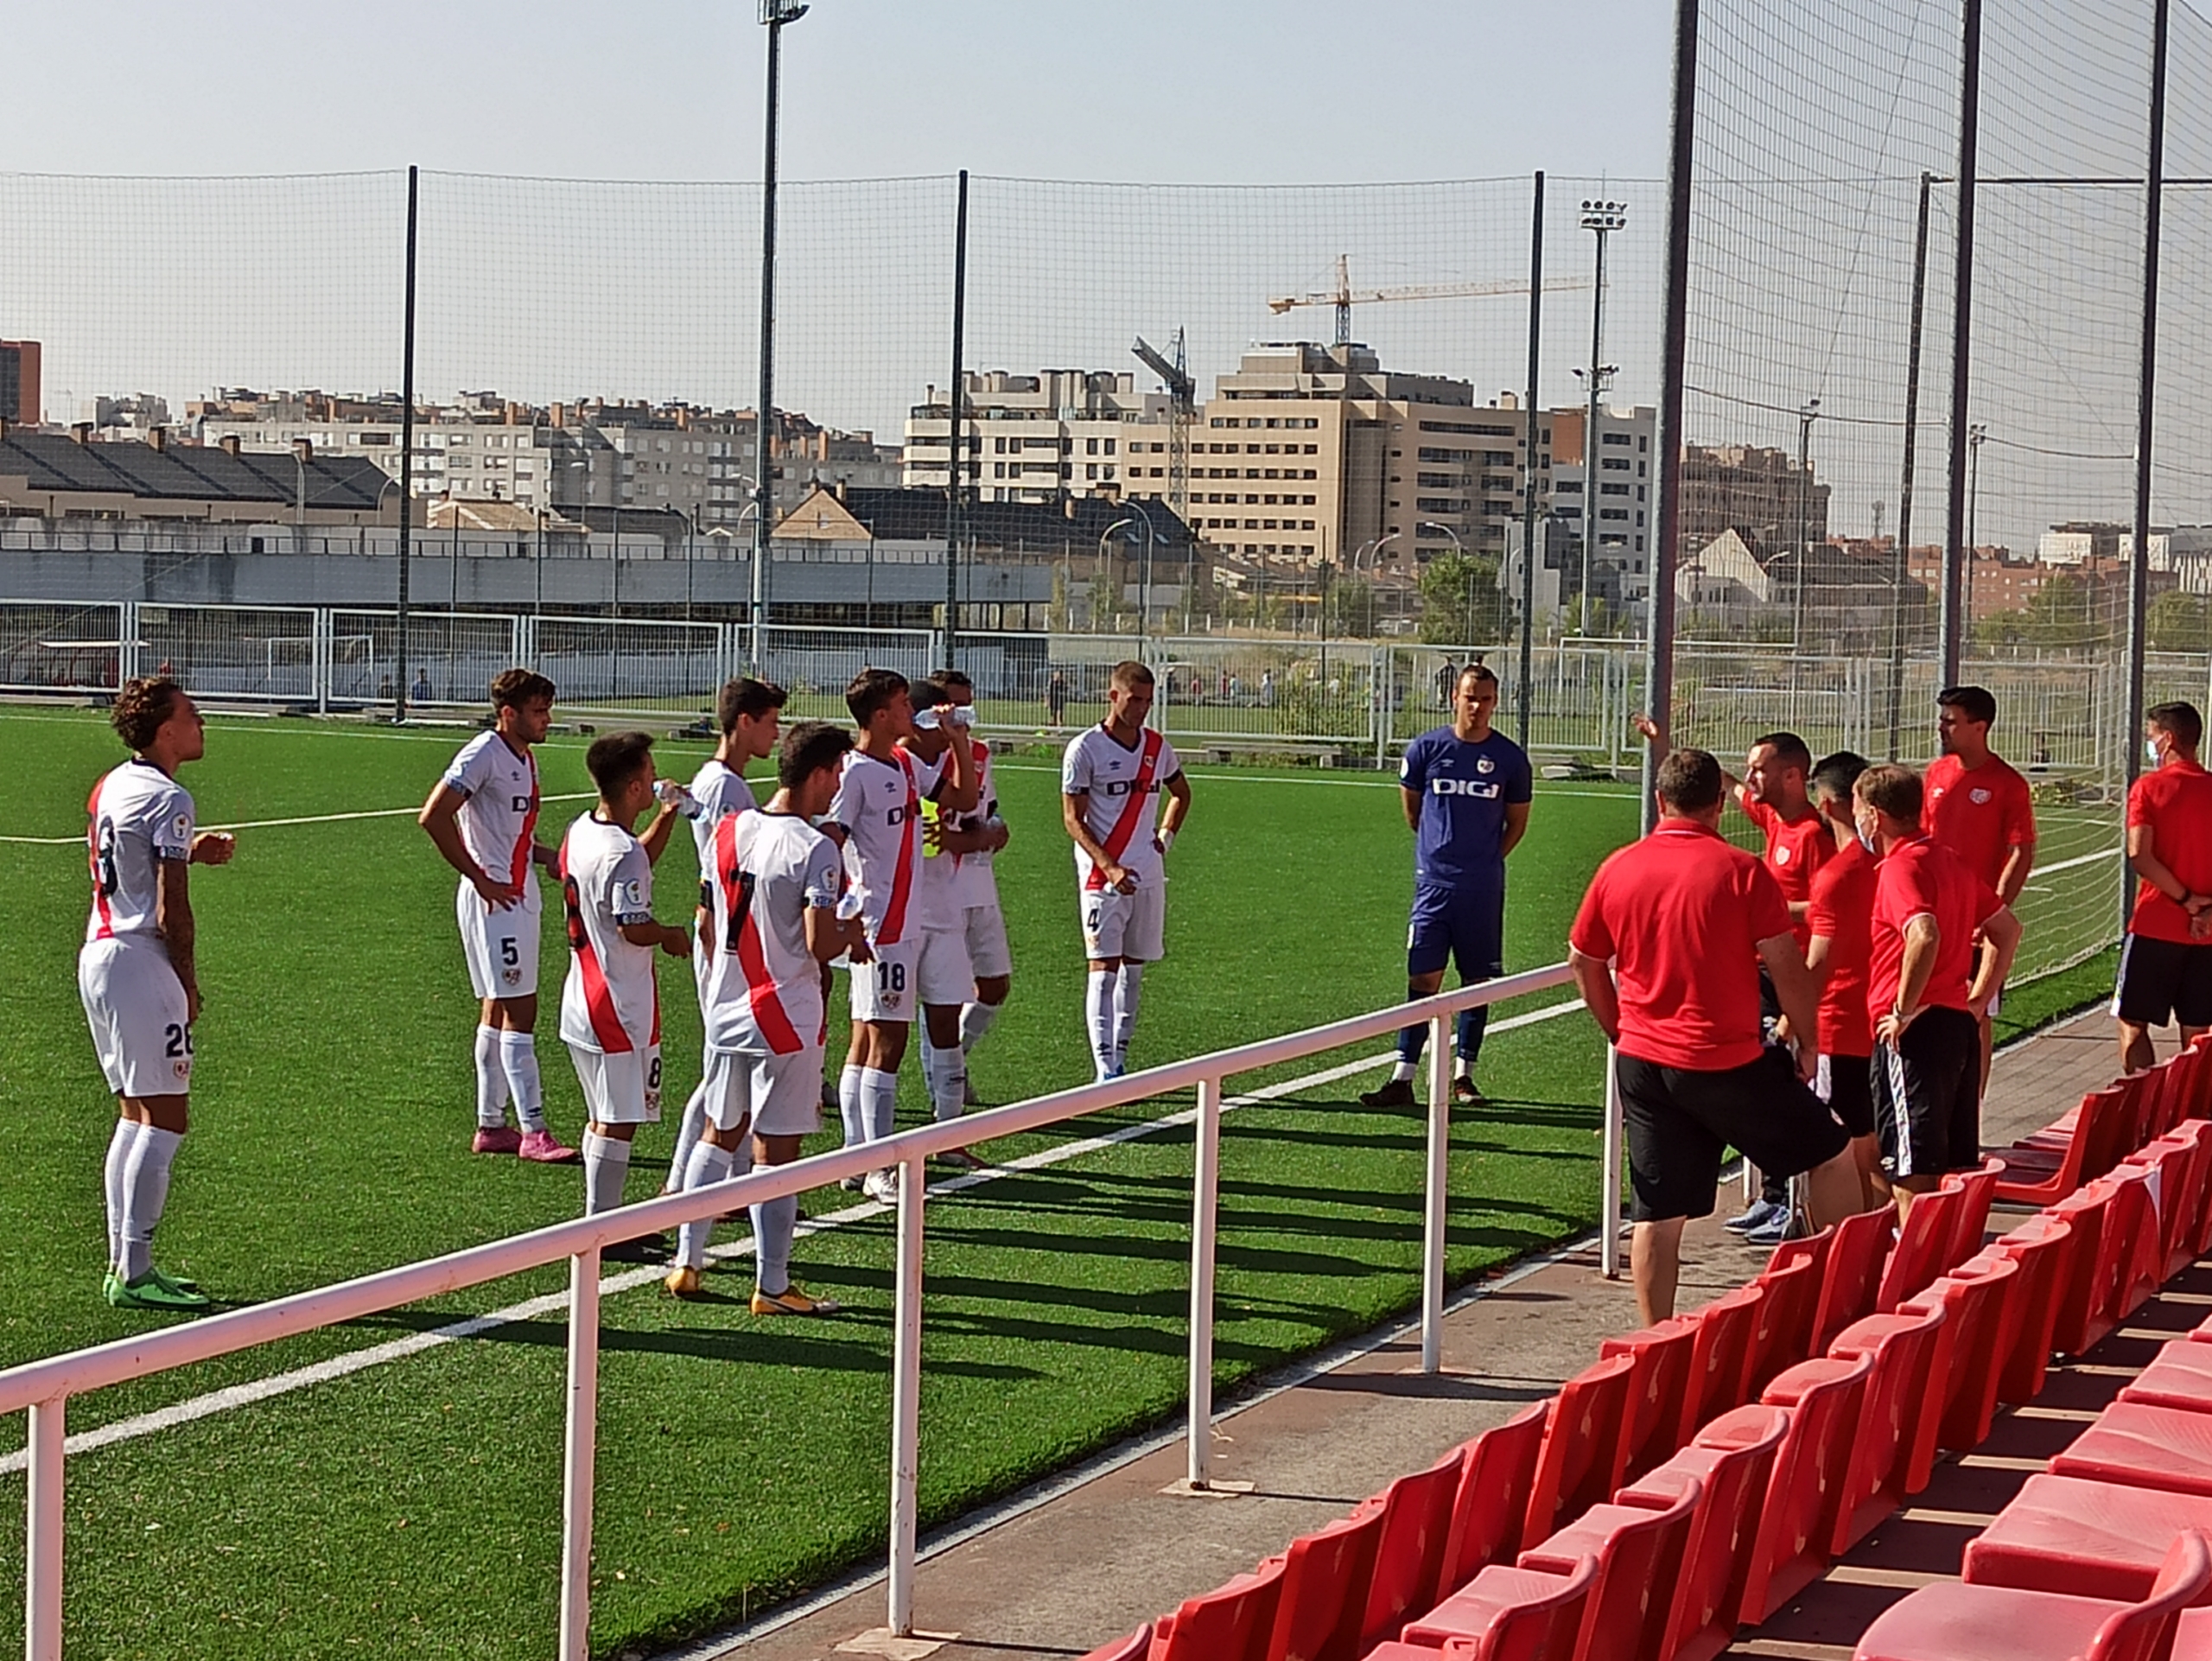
x: 1840, y: 918
x: 1925, y: 980
x: 1977, y: 806
x: 1666, y: 951
x: 2166, y: 964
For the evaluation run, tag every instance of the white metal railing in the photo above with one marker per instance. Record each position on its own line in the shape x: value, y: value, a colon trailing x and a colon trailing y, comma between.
x: 44, y: 1387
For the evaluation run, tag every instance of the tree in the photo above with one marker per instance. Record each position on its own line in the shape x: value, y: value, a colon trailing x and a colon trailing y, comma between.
x: 2179, y: 622
x: 2064, y: 613
x: 1461, y: 603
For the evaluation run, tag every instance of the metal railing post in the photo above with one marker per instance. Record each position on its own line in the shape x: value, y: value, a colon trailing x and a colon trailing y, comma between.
x: 1609, y: 1242
x: 906, y: 1396
x: 42, y: 1534
x: 576, y: 1474
x: 1205, y: 1215
x: 1438, y: 1195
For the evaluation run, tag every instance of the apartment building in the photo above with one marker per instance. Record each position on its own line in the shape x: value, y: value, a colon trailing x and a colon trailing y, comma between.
x: 1035, y: 438
x: 1620, y: 512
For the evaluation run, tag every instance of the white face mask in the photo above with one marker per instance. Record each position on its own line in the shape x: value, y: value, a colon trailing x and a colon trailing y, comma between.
x: 2151, y: 751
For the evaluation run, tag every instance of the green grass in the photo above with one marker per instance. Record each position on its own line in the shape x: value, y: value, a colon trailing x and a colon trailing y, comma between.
x: 413, y: 1509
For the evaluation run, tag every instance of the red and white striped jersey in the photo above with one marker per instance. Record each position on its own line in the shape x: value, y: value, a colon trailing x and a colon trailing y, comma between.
x: 718, y: 790
x: 610, y: 1003
x: 139, y: 816
x: 765, y: 872
x: 880, y: 805
x: 498, y: 810
x: 973, y: 882
x: 1124, y: 785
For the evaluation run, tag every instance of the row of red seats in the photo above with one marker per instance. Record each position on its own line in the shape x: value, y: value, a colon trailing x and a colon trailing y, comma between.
x: 1709, y: 1454
x: 2110, y: 1124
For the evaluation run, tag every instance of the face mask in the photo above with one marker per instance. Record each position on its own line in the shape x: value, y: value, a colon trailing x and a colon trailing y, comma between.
x: 2151, y: 751
x: 1865, y: 835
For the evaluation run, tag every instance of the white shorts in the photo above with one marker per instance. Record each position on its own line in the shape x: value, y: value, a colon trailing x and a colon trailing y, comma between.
x: 1131, y: 926
x: 501, y: 946
x: 135, y: 1007
x: 944, y: 973
x: 886, y: 987
x: 987, y: 948
x: 782, y: 1093
x: 623, y: 1088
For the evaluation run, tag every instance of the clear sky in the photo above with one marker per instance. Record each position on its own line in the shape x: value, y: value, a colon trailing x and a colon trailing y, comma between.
x: 1193, y: 90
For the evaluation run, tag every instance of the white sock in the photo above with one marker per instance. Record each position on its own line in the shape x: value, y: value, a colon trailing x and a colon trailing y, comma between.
x: 1462, y: 1068
x: 491, y: 1088
x: 1098, y: 1015
x: 975, y: 1019
x: 518, y: 1060
x: 118, y: 1160
x: 848, y: 1105
x: 773, y: 1221
x: 687, y: 1138
x: 606, y: 1163
x: 145, y: 1191
x: 1128, y: 987
x: 879, y: 1100
x: 947, y: 1072
x: 707, y: 1163
x: 1403, y: 1071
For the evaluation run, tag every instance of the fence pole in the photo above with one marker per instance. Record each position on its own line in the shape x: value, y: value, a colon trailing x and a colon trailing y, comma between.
x: 126, y: 633
x: 1900, y: 572
x: 2139, y: 569
x: 763, y: 501
x: 1659, y: 674
x: 1609, y: 1169
x: 906, y: 1396
x: 1205, y: 1219
x: 954, y: 397
x: 1954, y: 553
x: 406, y: 463
x: 1439, y: 1193
x: 42, y: 1533
x: 577, y: 1469
x: 1526, y: 694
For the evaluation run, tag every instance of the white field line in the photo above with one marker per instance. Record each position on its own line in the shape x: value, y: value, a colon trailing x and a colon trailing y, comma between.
x: 552, y: 1303
x: 77, y: 841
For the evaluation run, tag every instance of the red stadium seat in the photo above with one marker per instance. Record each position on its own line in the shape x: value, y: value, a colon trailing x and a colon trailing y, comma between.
x: 1721, y: 1359
x: 2086, y: 1539
x: 1658, y: 1386
x: 2044, y: 1247
x: 1416, y: 1512
x: 1983, y: 1319
x: 1734, y: 1457
x: 2179, y: 1376
x: 2197, y: 1230
x: 1492, y: 1503
x: 2133, y: 1263
x: 1976, y: 1189
x: 1854, y: 1273
x: 1231, y: 1623
x: 1902, y: 1348
x: 1321, y: 1606
x: 1923, y: 1247
x: 1956, y: 1622
x: 1511, y: 1614
x: 1784, y: 1333
x: 1135, y: 1647
x: 2178, y: 1160
x: 1585, y: 1440
x: 2088, y: 1211
x: 1797, y: 1524
x: 1639, y: 1553
x: 2044, y: 1174
x: 2168, y: 1447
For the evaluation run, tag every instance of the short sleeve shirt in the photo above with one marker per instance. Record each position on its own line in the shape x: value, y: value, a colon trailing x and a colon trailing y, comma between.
x: 498, y: 810
x: 610, y: 1003
x: 1841, y: 909
x: 1465, y: 788
x: 1917, y: 878
x: 1122, y: 801
x: 1679, y: 914
x: 1796, y: 850
x: 1981, y: 815
x: 880, y: 805
x: 720, y: 791
x: 763, y: 988
x: 138, y: 818
x: 2174, y: 803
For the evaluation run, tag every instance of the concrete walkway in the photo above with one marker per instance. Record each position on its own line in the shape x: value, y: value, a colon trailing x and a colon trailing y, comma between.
x: 1098, y: 1557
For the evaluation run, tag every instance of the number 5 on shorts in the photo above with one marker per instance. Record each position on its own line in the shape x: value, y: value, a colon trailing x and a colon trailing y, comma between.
x: 508, y: 955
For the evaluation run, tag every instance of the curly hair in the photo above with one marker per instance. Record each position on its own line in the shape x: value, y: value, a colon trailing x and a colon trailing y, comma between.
x: 142, y: 708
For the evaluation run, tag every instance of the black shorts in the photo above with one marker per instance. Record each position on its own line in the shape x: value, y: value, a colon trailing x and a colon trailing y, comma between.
x: 1846, y: 1083
x: 1679, y: 1123
x: 1928, y: 1096
x: 2162, y: 981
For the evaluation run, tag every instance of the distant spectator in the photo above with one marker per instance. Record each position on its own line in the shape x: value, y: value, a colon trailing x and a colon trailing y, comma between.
x: 420, y: 691
x: 1056, y: 699
x: 1448, y: 682
x: 1267, y: 688
x: 384, y: 690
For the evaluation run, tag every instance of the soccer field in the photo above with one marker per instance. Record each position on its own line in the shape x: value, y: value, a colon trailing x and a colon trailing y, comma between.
x: 412, y: 1505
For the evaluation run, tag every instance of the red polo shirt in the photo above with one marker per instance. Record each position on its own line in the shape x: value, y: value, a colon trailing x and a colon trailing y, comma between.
x: 1796, y: 850
x: 2175, y: 803
x: 1843, y: 910
x: 1981, y: 815
x: 1680, y: 914
x: 1922, y: 876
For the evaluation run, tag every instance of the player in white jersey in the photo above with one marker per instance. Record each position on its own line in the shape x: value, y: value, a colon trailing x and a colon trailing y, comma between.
x: 945, y: 979
x: 878, y: 814
x: 610, y: 1006
x: 1111, y: 780
x: 137, y: 976
x: 746, y: 712
x: 971, y: 839
x: 482, y: 817
x: 772, y: 889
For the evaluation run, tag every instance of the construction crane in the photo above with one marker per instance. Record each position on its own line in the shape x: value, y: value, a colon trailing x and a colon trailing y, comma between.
x: 1344, y: 299
x: 1182, y: 399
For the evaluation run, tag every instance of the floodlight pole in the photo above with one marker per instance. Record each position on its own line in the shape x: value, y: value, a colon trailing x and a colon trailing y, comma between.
x: 2139, y: 569
x: 1900, y: 570
x: 406, y: 464
x: 1525, y: 693
x: 1954, y: 621
x: 775, y: 14
x: 954, y: 399
x: 1602, y: 218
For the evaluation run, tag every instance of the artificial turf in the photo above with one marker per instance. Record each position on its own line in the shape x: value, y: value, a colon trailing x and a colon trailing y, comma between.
x: 414, y: 1508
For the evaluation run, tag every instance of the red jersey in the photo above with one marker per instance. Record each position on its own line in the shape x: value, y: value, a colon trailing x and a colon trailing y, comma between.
x: 2174, y: 803
x: 1923, y: 877
x: 1981, y: 815
x: 1680, y: 914
x: 1842, y: 911
x: 1796, y: 850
